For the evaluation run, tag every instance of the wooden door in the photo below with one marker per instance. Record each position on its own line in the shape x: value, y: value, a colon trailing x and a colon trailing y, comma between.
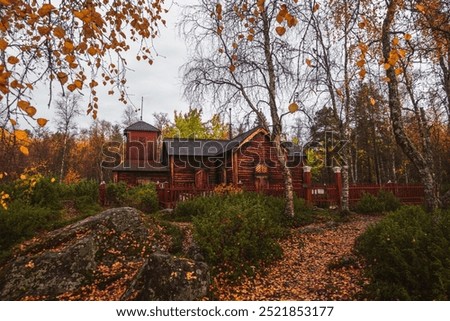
x: 201, y: 179
x: 261, y: 183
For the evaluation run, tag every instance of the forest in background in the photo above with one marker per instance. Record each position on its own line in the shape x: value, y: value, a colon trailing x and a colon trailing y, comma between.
x: 71, y: 153
x: 372, y: 73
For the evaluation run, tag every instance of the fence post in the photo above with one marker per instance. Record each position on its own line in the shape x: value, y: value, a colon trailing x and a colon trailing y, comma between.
x: 102, y: 193
x: 307, y: 179
x: 338, y: 181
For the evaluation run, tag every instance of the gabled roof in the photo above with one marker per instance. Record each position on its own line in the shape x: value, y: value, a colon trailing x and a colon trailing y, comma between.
x: 209, y: 147
x: 141, y: 126
x: 213, y: 147
x: 244, y: 137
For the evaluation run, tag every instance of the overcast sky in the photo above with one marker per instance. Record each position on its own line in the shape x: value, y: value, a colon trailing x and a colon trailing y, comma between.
x: 159, y: 84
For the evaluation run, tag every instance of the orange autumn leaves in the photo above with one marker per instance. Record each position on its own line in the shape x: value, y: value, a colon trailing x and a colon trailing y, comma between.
x: 67, y: 39
x: 285, y: 19
x: 397, y: 53
x: 21, y: 136
x: 70, y: 46
x: 309, y: 269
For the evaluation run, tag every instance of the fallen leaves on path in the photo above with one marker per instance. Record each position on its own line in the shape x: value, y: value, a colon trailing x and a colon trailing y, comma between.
x: 318, y: 264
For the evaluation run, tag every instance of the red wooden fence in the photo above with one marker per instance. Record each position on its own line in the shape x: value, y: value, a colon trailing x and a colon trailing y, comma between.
x: 411, y: 194
x: 321, y: 195
x: 326, y: 196
x: 169, y: 197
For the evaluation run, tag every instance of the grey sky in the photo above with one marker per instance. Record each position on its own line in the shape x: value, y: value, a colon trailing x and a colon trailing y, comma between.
x: 159, y: 84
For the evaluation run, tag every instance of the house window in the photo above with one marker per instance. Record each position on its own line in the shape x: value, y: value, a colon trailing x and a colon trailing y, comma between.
x: 261, y: 177
x: 143, y: 180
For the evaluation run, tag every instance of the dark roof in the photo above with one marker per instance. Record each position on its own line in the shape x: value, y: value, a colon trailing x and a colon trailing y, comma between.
x: 194, y: 147
x: 212, y: 148
x: 236, y: 141
x: 203, y: 147
x: 134, y: 167
x: 141, y: 126
x: 240, y: 138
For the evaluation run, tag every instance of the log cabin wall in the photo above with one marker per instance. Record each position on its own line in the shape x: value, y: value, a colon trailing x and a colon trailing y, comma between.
x: 185, y: 169
x: 141, y: 146
x: 258, y: 165
x: 183, y: 173
x: 228, y: 170
x: 252, y: 165
x: 258, y: 153
x: 133, y: 178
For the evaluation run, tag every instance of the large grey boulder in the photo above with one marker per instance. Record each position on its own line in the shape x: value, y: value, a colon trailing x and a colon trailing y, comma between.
x: 109, y: 256
x: 167, y: 278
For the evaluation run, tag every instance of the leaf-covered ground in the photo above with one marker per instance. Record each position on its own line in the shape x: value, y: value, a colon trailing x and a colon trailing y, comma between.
x: 318, y: 264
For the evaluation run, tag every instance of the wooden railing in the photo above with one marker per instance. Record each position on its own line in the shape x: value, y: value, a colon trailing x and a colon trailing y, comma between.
x: 169, y: 197
x: 412, y: 194
x: 329, y: 195
x: 325, y: 195
x: 321, y: 195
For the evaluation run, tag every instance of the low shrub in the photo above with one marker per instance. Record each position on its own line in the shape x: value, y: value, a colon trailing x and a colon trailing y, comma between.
x: 116, y: 193
x: 304, y: 213
x: 35, y: 190
x: 238, y: 232
x: 369, y: 204
x: 46, y: 193
x: 185, y: 211
x: 85, y: 206
x: 143, y: 197
x: 176, y: 235
x: 407, y: 256
x: 86, y: 188
x: 384, y: 201
x: 84, y: 195
x: 389, y: 201
x: 22, y: 221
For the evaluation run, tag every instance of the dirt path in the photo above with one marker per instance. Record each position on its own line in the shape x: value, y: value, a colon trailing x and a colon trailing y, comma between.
x: 317, y: 265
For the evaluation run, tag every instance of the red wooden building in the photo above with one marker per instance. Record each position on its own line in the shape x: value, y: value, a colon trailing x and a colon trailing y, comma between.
x: 248, y: 160
x: 184, y: 168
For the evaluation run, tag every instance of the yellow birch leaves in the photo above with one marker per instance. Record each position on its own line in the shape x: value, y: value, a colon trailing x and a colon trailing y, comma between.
x: 3, y: 44
x: 24, y: 150
x: 250, y: 14
x: 4, y: 197
x: 27, y: 108
x: 394, y: 60
x: 22, y: 139
x: 285, y: 18
x: 293, y: 107
x: 280, y: 30
x: 59, y: 35
x: 397, y: 53
x: 42, y: 122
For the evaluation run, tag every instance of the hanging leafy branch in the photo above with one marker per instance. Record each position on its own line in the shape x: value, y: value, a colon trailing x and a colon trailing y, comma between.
x: 73, y: 45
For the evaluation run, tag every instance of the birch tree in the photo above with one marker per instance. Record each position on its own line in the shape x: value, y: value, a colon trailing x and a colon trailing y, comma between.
x: 398, y: 45
x: 67, y: 110
x: 245, y: 53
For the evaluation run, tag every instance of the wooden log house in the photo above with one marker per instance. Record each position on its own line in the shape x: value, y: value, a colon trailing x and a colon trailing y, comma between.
x: 248, y: 160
